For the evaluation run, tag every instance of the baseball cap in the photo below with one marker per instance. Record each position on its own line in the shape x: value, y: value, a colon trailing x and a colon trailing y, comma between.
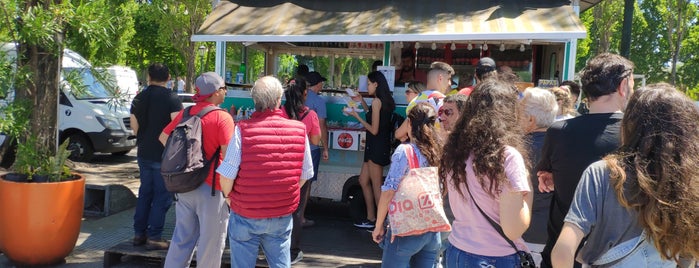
x: 486, y: 62
x: 485, y: 65
x: 206, y: 85
x: 313, y: 78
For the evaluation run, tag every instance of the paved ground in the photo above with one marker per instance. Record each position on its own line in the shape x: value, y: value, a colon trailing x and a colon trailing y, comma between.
x: 332, y: 242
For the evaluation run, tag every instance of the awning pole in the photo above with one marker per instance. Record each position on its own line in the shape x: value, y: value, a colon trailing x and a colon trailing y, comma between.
x: 220, y: 58
x: 387, y: 54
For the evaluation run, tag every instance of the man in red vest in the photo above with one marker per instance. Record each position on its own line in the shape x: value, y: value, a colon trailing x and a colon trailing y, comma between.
x: 267, y: 161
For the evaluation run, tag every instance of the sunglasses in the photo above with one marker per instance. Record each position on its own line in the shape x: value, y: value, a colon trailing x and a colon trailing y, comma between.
x: 447, y: 112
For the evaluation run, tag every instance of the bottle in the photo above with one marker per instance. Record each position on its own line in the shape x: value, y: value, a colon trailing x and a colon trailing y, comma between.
x: 241, y: 70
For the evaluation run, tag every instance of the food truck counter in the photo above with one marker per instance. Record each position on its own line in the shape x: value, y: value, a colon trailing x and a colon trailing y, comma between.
x: 345, y: 134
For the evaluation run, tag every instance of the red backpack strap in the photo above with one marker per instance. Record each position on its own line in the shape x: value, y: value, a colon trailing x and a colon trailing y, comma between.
x: 413, y: 161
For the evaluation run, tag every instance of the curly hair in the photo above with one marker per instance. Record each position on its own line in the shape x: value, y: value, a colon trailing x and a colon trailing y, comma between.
x: 422, y: 118
x: 566, y: 102
x: 487, y: 124
x: 655, y: 172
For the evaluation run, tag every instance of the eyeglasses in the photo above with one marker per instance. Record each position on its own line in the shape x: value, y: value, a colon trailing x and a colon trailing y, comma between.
x: 447, y: 112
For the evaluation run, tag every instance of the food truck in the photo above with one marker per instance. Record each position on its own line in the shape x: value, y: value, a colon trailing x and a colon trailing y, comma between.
x: 536, y: 39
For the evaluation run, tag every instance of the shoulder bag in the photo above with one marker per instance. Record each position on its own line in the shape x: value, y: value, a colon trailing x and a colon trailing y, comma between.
x: 525, y: 258
x: 417, y: 207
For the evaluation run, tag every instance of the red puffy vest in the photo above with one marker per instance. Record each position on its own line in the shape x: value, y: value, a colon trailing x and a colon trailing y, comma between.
x: 272, y: 147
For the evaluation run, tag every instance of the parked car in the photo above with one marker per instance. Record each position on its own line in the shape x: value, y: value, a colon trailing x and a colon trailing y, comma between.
x: 186, y: 99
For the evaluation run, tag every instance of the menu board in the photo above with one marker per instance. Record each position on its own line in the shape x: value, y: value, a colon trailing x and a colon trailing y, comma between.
x: 390, y: 73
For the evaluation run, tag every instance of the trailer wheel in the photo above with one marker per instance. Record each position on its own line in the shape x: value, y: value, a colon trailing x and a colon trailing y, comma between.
x: 356, y: 205
x: 80, y: 148
x: 121, y: 153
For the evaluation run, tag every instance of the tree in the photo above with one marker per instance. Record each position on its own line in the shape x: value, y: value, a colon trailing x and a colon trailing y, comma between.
x: 39, y: 30
x: 183, y: 20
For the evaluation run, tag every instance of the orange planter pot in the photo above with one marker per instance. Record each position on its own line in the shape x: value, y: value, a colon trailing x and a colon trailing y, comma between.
x: 40, y: 222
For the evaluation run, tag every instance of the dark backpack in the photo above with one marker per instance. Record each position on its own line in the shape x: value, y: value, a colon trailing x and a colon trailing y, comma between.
x: 184, y: 165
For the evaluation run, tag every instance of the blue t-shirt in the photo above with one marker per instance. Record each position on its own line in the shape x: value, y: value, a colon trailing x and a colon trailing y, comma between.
x: 400, y: 167
x: 317, y: 104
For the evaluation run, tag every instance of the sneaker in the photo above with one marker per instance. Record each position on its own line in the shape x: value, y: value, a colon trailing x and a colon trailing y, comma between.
x: 296, y: 257
x: 365, y: 224
x: 157, y: 244
x: 139, y: 240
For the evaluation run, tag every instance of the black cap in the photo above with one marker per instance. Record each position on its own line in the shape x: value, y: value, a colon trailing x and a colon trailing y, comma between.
x: 313, y: 78
x: 485, y: 65
x: 486, y: 62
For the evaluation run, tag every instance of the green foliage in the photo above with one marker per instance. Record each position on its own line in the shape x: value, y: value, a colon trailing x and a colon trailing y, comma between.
x: 655, y: 31
x: 33, y: 160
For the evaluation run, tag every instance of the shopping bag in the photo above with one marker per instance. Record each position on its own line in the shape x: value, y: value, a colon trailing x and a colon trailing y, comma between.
x: 417, y: 207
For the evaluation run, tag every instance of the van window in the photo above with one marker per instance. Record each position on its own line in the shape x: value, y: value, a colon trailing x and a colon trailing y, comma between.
x: 88, y: 86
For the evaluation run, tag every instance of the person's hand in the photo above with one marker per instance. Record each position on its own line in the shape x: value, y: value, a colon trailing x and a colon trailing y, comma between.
x: 326, y: 155
x: 357, y: 98
x: 545, y: 181
x: 353, y: 113
x: 378, y: 234
x: 228, y: 201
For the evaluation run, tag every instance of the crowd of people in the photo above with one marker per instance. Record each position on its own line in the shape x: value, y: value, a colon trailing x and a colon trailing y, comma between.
x: 520, y: 171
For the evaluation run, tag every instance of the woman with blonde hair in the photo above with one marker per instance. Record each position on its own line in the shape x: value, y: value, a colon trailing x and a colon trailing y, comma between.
x: 639, y: 207
x: 486, y: 177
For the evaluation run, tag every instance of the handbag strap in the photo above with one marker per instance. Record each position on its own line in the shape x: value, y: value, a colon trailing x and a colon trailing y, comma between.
x: 492, y: 222
x: 413, y: 162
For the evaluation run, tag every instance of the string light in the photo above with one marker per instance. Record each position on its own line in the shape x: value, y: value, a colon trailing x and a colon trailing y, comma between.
x: 417, y: 45
x: 469, y: 47
x: 502, y: 46
x: 485, y: 46
x: 434, y: 46
x: 521, y: 47
x: 453, y: 46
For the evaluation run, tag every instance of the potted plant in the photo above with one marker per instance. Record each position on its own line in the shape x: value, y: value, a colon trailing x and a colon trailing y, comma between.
x: 40, y: 218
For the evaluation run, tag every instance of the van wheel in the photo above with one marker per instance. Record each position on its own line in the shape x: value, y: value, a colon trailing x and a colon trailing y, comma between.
x: 356, y: 205
x: 80, y: 148
x: 121, y: 153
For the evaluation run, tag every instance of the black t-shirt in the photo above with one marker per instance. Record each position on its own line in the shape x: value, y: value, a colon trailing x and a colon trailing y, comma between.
x: 542, y: 201
x: 569, y: 147
x: 152, y: 108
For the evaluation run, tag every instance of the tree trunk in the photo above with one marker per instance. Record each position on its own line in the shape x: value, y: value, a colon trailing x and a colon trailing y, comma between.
x: 625, y: 46
x: 677, y: 41
x: 42, y: 89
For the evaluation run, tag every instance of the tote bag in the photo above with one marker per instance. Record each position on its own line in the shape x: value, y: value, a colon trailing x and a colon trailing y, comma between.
x: 417, y: 207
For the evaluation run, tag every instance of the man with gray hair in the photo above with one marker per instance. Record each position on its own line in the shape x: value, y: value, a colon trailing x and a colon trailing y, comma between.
x: 268, y: 160
x: 538, y: 110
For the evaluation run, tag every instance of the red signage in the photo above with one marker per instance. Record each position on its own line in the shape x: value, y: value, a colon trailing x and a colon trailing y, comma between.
x: 345, y: 140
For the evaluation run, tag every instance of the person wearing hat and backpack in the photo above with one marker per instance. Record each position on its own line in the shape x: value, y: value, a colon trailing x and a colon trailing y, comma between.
x: 202, y: 214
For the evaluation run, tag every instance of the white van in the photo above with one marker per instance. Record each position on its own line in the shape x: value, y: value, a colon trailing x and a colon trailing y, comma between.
x: 91, y: 118
x: 126, y: 81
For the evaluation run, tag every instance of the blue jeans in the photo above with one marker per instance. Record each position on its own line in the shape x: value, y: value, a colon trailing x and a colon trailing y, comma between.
x: 415, y: 251
x: 153, y: 201
x: 245, y: 236
x: 460, y: 258
x: 315, y: 156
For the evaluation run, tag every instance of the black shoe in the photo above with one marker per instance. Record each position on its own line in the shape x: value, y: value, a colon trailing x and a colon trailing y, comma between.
x: 139, y: 240
x: 296, y: 257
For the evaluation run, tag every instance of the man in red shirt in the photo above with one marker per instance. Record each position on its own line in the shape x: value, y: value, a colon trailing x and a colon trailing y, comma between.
x: 202, y: 218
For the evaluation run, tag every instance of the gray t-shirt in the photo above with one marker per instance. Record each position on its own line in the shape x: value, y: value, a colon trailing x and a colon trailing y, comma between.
x: 597, y: 212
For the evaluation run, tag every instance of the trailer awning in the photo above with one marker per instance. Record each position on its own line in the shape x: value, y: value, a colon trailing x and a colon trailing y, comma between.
x: 390, y: 20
